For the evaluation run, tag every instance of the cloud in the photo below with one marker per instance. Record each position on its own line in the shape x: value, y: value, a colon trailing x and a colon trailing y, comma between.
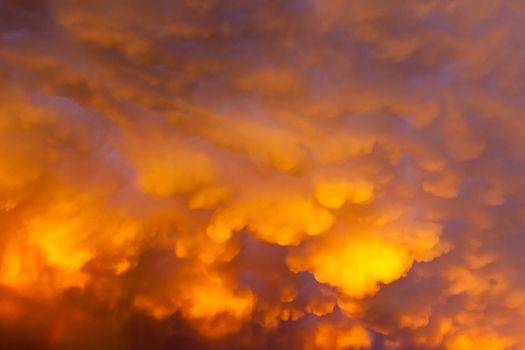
x: 261, y: 174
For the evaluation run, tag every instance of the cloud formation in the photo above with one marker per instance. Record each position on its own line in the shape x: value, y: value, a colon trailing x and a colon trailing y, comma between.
x: 262, y: 174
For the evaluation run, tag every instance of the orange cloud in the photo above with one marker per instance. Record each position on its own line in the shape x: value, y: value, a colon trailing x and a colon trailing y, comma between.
x: 261, y: 175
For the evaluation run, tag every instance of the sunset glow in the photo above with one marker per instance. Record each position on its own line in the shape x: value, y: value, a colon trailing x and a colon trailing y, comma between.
x: 262, y: 174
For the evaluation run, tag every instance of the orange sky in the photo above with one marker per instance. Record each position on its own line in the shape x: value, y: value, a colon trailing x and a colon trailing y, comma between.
x: 262, y: 174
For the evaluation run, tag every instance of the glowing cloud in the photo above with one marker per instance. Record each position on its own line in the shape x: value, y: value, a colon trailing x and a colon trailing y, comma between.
x: 262, y: 174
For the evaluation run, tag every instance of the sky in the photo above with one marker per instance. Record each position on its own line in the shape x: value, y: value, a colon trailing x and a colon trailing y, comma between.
x: 262, y: 175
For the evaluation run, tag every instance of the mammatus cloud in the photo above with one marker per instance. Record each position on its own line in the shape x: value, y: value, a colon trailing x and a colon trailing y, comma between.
x: 262, y: 174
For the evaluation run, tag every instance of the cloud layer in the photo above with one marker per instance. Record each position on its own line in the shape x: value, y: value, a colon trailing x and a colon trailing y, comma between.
x: 299, y: 174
